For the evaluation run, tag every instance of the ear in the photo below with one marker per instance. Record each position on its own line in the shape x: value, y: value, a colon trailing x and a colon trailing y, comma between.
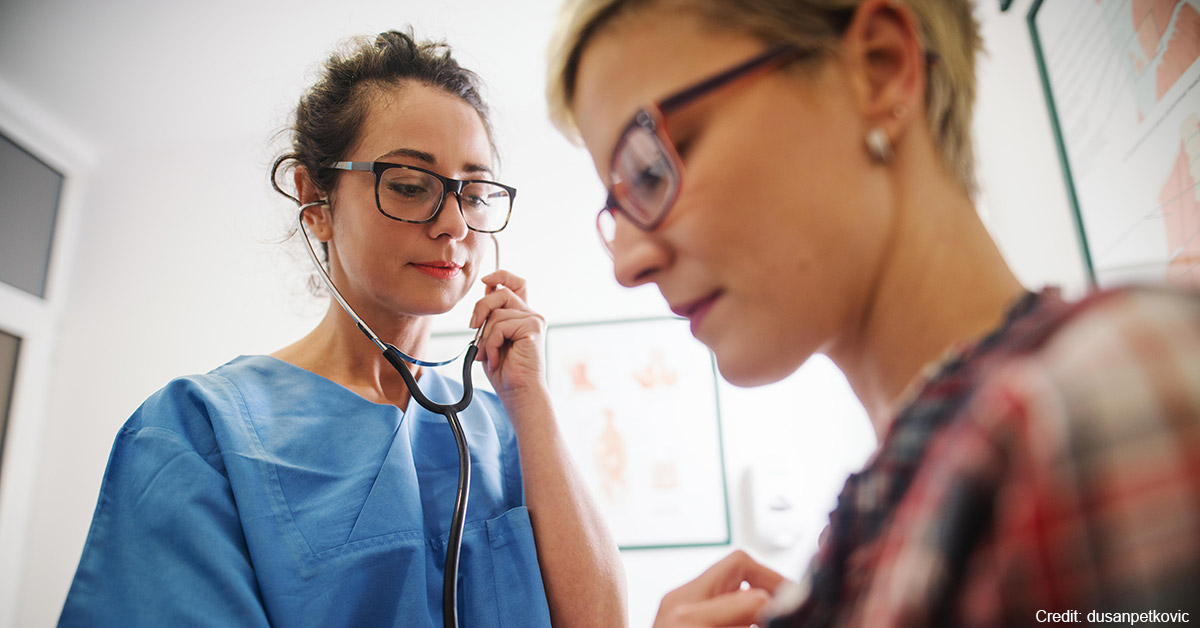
x: 318, y: 218
x: 883, y: 50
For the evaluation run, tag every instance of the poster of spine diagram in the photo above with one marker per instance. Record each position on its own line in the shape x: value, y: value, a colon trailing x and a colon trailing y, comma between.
x: 1122, y: 79
x: 637, y: 403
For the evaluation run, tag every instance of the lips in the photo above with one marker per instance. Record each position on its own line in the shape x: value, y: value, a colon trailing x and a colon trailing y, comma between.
x: 438, y: 269
x: 695, y: 311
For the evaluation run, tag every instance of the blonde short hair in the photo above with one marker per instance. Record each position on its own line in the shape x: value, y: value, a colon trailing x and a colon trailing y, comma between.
x: 948, y: 30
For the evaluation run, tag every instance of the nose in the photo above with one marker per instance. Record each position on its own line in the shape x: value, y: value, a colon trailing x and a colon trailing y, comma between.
x: 450, y: 219
x: 638, y: 255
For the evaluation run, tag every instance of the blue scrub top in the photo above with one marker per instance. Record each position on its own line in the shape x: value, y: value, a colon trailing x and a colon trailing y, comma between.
x: 262, y: 493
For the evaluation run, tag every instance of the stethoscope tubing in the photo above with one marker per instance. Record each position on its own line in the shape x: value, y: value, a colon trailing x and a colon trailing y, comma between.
x: 450, y: 411
x: 399, y: 361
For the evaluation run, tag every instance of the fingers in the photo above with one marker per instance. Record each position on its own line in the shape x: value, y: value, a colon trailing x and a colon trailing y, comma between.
x: 510, y: 338
x: 506, y: 279
x: 731, y: 592
x: 737, y: 608
x: 508, y: 326
x: 499, y: 296
x: 737, y: 567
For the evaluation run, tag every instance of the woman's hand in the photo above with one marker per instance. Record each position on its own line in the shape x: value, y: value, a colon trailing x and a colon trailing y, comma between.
x: 717, y: 597
x: 511, y: 344
x: 581, y: 569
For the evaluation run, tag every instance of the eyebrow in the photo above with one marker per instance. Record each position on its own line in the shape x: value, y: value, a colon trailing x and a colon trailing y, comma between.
x: 429, y: 159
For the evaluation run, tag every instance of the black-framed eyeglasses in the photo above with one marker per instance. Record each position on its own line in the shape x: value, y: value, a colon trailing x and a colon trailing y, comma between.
x: 645, y: 172
x: 416, y: 195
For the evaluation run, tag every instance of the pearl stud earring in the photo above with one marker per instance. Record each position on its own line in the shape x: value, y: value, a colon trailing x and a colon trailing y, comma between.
x: 879, y: 146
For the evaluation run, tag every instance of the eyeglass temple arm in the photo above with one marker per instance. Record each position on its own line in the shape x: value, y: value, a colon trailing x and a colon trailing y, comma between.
x: 679, y: 99
x: 364, y: 166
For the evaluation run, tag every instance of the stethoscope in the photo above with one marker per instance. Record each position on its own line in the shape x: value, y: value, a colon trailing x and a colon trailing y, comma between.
x: 398, y: 359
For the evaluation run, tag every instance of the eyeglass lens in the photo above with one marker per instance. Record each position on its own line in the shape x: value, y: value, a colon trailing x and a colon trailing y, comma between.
x: 415, y: 196
x: 645, y: 177
x: 645, y: 181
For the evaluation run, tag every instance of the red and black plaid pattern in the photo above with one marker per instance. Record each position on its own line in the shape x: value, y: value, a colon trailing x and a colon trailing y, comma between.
x: 1052, y: 467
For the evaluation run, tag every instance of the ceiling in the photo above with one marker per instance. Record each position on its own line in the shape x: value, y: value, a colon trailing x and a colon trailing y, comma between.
x: 117, y: 73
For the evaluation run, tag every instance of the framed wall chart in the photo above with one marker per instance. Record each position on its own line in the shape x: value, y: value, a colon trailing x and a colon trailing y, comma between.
x: 1122, y: 81
x: 637, y: 403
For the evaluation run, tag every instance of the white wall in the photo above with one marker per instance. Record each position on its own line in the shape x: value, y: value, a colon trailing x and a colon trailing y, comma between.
x: 172, y: 269
x: 1022, y: 196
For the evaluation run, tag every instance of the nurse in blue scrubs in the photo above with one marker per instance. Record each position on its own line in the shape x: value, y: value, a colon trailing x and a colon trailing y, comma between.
x: 305, y: 487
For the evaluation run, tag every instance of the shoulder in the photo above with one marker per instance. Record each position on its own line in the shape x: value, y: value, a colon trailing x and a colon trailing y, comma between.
x: 1113, y: 392
x: 1068, y: 479
x: 1119, y: 374
x: 185, y: 409
x: 1133, y: 327
x: 1098, y: 440
x: 1120, y: 360
x: 170, y: 440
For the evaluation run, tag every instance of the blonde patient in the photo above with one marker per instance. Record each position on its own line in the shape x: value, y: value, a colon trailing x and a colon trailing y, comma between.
x: 796, y: 177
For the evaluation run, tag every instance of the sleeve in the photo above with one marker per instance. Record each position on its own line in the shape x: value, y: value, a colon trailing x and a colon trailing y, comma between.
x: 165, y: 545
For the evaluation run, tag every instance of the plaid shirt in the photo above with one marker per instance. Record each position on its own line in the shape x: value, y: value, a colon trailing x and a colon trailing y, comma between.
x: 1054, y: 467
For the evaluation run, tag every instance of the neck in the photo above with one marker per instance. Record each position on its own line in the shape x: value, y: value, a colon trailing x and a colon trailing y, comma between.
x: 337, y: 350
x: 943, y: 282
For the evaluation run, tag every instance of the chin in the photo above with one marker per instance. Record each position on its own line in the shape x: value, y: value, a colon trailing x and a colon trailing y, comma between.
x: 438, y: 309
x: 434, y: 307
x: 746, y: 369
